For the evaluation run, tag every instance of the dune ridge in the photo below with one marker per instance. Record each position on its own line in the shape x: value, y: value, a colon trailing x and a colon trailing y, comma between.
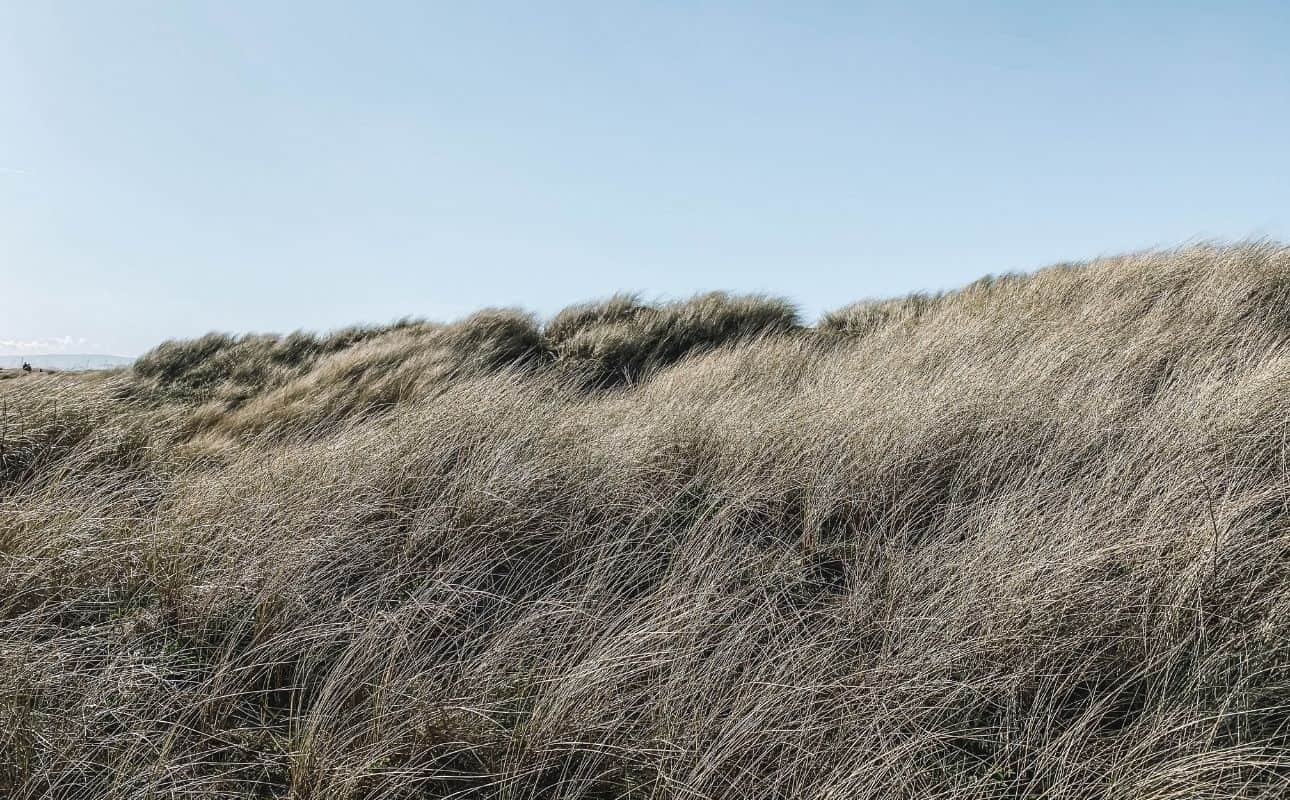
x: 1026, y: 539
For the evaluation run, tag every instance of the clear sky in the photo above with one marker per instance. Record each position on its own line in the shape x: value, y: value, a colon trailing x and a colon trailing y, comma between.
x: 172, y: 168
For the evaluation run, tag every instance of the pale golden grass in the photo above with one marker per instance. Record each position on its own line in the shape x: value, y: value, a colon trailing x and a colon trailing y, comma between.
x: 1026, y: 540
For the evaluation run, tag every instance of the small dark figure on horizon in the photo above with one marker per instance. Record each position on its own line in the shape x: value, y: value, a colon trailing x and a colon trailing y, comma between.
x: 26, y: 367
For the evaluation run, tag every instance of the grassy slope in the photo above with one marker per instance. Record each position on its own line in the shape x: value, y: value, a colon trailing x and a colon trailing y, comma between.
x: 1030, y: 539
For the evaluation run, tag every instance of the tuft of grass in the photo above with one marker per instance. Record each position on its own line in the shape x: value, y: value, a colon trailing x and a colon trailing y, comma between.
x: 867, y: 316
x: 621, y: 341
x: 230, y: 368
x: 1026, y: 539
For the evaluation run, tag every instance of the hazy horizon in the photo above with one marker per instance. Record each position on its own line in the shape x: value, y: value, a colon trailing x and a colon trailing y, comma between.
x: 166, y: 171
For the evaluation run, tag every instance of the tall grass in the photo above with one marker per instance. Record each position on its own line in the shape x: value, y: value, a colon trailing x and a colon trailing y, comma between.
x: 1030, y: 539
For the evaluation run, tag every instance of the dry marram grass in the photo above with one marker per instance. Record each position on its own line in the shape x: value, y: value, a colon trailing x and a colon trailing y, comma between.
x: 1029, y: 539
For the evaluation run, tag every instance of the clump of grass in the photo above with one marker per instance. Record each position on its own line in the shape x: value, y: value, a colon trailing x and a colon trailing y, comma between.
x: 1026, y: 539
x: 622, y: 341
x: 231, y: 368
x: 374, y: 376
x: 619, y: 309
x: 866, y: 316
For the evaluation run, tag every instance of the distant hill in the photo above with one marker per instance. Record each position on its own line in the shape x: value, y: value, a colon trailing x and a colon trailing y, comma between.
x: 67, y: 361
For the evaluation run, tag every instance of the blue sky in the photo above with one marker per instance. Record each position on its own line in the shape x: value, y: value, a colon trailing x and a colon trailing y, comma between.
x: 172, y: 168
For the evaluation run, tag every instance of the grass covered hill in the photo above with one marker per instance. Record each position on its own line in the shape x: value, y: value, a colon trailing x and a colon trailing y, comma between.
x: 1029, y: 539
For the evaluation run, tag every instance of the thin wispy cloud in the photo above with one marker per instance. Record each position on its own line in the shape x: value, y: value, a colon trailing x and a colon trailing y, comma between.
x: 14, y: 171
x: 58, y: 344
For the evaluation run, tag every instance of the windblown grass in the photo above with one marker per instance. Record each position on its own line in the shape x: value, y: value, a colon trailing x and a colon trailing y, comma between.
x: 1030, y: 539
